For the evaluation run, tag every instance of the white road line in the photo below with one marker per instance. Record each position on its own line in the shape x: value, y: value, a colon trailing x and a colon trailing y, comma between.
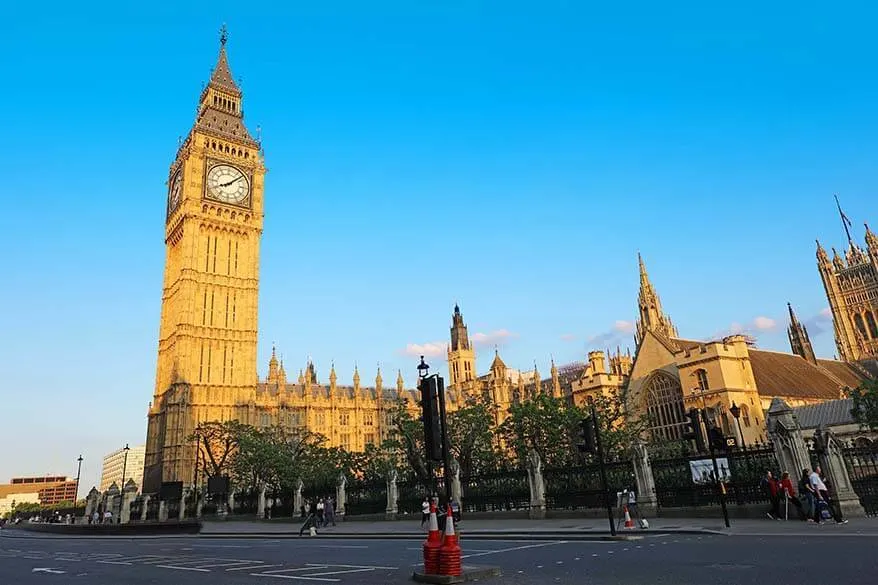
x: 301, y: 578
x: 253, y: 567
x: 114, y: 562
x: 326, y: 566
x: 183, y: 568
x: 514, y: 548
x: 341, y: 572
x: 293, y: 570
x: 227, y: 564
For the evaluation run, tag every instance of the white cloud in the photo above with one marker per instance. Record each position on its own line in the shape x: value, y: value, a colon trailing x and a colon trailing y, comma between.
x: 764, y: 323
x: 624, y: 326
x: 568, y: 337
x: 826, y: 312
x: 619, y: 331
x: 494, y: 337
x: 429, y: 349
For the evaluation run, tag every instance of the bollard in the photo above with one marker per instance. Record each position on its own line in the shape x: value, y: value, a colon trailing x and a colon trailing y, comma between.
x: 432, y: 545
x: 449, y: 554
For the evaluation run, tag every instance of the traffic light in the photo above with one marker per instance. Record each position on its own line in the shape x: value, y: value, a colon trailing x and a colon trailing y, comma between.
x: 430, y: 417
x: 692, y: 430
x: 716, y: 439
x: 587, y: 436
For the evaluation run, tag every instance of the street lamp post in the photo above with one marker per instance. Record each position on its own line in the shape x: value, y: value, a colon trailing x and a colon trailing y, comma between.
x: 122, y: 487
x: 719, y: 484
x: 423, y: 372
x: 736, y: 412
x: 76, y: 495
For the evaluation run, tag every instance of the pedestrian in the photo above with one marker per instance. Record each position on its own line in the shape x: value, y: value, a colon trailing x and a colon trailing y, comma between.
x: 330, y: 512
x: 321, y: 508
x: 823, y: 500
x: 425, y: 511
x: 769, y: 488
x: 789, y: 494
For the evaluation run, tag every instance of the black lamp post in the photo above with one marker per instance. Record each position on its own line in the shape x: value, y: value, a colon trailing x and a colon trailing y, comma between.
x: 76, y: 495
x: 122, y: 487
x: 736, y: 412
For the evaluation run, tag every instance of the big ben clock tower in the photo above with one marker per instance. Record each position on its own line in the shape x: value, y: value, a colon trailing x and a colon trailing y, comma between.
x: 207, y: 339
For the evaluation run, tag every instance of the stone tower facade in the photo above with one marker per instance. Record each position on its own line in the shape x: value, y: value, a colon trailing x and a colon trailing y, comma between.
x: 207, y: 336
x: 851, y: 284
x: 461, y: 355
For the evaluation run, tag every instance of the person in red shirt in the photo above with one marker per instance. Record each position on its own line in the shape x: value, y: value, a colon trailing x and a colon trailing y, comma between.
x: 786, y: 489
x: 769, y: 486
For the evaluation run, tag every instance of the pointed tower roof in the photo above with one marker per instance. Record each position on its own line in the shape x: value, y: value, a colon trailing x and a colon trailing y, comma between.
x: 651, y: 316
x: 221, y: 77
x: 497, y: 364
x: 332, y: 376
x: 800, y: 343
x: 399, y: 380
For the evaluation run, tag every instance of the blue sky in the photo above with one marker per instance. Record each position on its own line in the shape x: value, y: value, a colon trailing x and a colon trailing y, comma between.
x: 510, y: 156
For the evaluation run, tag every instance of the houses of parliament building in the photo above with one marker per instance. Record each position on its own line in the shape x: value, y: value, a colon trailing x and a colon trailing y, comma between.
x: 207, y: 371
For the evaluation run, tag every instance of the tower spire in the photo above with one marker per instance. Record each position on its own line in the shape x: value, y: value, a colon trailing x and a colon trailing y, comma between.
x: 650, y: 308
x: 800, y: 343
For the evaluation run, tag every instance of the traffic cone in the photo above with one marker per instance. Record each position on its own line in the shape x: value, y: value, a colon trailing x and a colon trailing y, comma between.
x: 432, y: 545
x: 629, y: 523
x: 449, y: 554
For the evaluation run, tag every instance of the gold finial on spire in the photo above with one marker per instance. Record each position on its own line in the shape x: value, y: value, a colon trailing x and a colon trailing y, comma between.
x: 224, y: 35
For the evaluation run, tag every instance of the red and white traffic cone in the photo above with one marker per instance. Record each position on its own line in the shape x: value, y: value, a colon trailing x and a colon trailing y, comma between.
x: 432, y: 545
x: 449, y: 554
x: 629, y: 523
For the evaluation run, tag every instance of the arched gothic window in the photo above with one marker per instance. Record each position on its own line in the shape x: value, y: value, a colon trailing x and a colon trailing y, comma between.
x: 664, y: 406
x: 701, y: 375
x: 873, y: 327
x: 858, y: 321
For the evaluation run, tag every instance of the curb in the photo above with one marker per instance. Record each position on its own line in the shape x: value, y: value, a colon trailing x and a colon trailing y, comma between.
x: 515, y: 536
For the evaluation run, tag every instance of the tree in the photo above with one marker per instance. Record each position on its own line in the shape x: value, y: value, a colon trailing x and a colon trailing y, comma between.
x: 865, y: 403
x: 408, y: 438
x: 471, y: 436
x: 273, y: 456
x: 618, y: 429
x: 217, y: 442
x: 544, y: 424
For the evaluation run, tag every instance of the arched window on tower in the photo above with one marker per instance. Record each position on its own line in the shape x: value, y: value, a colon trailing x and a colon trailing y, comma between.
x: 873, y: 327
x: 701, y: 375
x: 664, y: 406
x: 861, y: 327
x: 745, y: 415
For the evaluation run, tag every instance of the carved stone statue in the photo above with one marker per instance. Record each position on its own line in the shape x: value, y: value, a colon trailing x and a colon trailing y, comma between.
x: 536, y: 484
x: 786, y: 437
x: 392, y: 494
x: 341, y: 494
x: 456, y: 491
x: 643, y: 478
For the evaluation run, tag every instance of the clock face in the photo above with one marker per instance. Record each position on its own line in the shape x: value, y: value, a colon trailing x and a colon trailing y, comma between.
x: 227, y: 184
x: 175, y: 190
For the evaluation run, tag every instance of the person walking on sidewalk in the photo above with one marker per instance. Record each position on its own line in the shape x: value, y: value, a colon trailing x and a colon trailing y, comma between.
x: 789, y: 493
x: 823, y: 499
x: 769, y: 488
x: 329, y: 512
x: 425, y: 511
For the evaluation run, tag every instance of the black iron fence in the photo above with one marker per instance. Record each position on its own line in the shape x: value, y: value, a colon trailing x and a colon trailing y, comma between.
x: 573, y: 488
x: 365, y: 498
x: 503, y: 490
x: 862, y: 466
x: 411, y: 493
x: 689, y: 481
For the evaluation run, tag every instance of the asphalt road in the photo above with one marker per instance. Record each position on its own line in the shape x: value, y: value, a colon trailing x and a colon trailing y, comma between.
x: 655, y: 560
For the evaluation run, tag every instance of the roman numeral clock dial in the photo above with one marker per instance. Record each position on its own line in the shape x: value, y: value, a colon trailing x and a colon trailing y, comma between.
x: 228, y: 184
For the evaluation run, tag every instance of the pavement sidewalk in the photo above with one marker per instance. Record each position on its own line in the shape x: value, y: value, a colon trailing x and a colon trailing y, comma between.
x: 554, y: 528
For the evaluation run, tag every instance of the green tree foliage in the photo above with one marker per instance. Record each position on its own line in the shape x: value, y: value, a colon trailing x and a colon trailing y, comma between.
x: 274, y: 456
x: 544, y: 424
x: 473, y: 442
x: 408, y: 438
x: 218, y: 442
x: 618, y: 431
x: 865, y: 407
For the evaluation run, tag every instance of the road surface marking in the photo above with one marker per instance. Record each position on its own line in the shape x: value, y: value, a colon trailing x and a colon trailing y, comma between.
x: 326, y: 566
x: 114, y: 562
x: 182, y: 568
x: 253, y: 567
x: 224, y: 564
x: 310, y: 568
x: 47, y: 570
x: 514, y: 548
x: 340, y: 572
x: 326, y: 579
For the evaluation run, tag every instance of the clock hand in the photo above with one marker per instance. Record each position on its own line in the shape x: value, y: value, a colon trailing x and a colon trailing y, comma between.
x: 232, y: 181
